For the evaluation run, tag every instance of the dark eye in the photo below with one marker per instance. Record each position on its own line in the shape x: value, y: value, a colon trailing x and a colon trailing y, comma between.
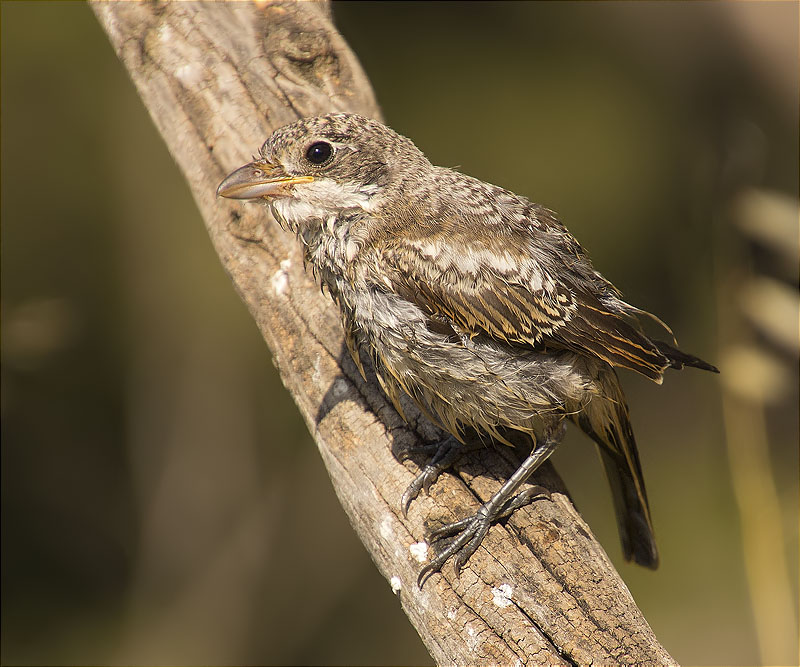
x: 319, y: 153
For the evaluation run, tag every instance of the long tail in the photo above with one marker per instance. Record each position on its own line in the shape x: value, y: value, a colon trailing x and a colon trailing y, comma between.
x: 606, y: 421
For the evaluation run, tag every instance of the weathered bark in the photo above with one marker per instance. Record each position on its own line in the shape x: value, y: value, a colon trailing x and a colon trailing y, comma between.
x: 217, y: 79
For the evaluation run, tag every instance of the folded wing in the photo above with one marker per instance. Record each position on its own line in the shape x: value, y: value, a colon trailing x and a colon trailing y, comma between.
x: 512, y: 297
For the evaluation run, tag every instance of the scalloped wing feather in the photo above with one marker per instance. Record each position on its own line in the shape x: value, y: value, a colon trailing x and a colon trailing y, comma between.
x: 536, y: 313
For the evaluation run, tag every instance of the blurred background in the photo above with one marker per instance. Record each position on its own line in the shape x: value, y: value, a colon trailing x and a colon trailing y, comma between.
x: 151, y: 458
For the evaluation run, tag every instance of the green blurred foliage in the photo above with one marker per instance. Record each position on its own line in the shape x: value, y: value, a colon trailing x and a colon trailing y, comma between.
x: 162, y: 501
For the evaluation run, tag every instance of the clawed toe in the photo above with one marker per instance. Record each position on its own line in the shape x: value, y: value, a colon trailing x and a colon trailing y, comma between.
x: 427, y: 449
x: 523, y: 498
x: 469, y: 533
x: 446, y: 454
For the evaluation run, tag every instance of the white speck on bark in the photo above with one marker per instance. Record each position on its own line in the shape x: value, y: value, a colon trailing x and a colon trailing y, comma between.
x: 419, y: 550
x: 501, y: 595
x: 190, y: 74
x: 280, y: 281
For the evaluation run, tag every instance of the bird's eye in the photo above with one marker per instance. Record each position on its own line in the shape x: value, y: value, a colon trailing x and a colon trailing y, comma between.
x: 319, y: 152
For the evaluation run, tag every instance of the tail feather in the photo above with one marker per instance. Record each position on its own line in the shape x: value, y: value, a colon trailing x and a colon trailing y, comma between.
x: 633, y: 514
x: 606, y: 421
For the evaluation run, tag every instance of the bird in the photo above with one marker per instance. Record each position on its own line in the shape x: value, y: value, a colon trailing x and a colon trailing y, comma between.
x: 476, y: 303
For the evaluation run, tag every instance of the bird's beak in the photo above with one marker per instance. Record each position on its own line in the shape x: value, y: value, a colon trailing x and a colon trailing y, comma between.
x: 258, y: 180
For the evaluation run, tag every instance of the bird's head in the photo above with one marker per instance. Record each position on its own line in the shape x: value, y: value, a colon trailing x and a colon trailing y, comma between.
x: 320, y: 166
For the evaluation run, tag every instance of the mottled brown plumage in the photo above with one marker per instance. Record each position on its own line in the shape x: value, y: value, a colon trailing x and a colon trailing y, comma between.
x: 474, y: 301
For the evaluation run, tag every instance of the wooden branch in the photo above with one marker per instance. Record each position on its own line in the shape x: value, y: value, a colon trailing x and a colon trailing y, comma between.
x: 217, y: 78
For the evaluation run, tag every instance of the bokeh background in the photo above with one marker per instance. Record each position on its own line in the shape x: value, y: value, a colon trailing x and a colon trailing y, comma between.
x: 162, y: 501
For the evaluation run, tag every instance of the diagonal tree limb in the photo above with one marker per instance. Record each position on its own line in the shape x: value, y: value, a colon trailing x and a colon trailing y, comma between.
x: 217, y: 78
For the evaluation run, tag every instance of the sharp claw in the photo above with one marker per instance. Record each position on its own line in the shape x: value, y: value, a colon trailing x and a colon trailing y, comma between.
x: 458, y: 563
x: 433, y: 567
x: 424, y: 574
x: 537, y: 490
x: 444, y: 456
x: 406, y: 500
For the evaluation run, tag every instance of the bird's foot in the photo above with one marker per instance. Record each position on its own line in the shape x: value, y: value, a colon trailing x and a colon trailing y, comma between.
x: 445, y: 454
x: 469, y: 532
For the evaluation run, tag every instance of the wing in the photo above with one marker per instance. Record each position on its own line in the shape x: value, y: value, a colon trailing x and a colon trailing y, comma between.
x: 528, y: 285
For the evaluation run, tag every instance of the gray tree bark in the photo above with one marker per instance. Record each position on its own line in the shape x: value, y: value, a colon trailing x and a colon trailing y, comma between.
x: 217, y: 78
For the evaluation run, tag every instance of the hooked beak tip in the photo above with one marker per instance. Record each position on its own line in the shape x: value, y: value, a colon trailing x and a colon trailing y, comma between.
x: 258, y: 180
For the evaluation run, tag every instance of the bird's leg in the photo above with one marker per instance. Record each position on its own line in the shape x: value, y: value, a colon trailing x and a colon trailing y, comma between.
x: 469, y: 532
x: 446, y: 453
